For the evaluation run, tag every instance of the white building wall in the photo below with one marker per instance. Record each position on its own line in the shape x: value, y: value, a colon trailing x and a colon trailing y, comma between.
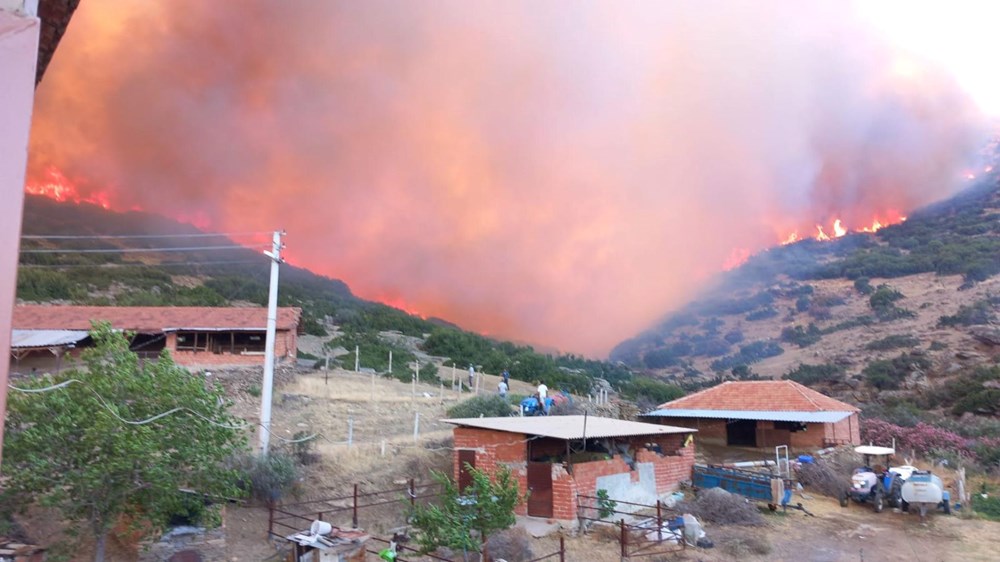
x: 19, y: 29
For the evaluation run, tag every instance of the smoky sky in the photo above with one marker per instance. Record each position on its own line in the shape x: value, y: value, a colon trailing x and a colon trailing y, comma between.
x: 561, y: 173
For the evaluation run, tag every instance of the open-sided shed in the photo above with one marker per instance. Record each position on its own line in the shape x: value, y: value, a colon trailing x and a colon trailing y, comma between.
x: 763, y: 414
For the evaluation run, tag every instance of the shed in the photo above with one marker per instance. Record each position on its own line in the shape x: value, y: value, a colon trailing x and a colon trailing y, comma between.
x: 194, y: 335
x: 763, y: 414
x: 557, y: 458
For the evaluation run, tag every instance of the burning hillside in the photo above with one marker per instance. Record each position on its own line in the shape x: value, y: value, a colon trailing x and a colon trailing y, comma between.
x: 519, y: 169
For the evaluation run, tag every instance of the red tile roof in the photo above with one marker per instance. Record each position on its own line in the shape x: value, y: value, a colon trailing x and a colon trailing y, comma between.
x: 151, y: 319
x: 766, y: 396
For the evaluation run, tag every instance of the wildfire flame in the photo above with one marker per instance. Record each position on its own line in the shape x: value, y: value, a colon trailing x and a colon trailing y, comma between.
x: 840, y: 229
x: 57, y: 186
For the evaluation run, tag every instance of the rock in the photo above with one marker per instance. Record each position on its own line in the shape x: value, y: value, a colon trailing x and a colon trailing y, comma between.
x: 967, y: 355
x: 990, y: 335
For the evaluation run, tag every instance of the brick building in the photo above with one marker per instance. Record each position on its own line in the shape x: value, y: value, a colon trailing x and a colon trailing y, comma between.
x: 557, y: 458
x: 195, y: 336
x: 763, y: 414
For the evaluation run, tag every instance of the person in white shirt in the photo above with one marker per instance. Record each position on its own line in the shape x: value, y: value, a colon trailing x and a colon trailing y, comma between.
x: 502, y: 387
x: 543, y: 391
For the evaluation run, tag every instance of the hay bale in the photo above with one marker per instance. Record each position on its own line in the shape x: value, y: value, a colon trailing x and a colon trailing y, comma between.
x: 827, y: 476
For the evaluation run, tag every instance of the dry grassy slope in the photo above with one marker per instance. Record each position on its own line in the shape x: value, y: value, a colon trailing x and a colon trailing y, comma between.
x: 930, y: 296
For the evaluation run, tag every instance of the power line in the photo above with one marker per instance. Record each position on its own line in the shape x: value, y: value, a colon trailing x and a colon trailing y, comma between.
x: 125, y: 236
x: 138, y: 250
x: 139, y: 264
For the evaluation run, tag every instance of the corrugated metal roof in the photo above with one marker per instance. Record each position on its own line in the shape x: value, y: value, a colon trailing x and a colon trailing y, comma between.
x: 45, y: 338
x: 804, y: 417
x: 569, y: 427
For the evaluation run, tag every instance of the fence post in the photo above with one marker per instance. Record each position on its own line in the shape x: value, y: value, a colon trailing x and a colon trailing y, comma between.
x: 659, y: 521
x: 624, y: 539
x: 413, y: 494
x: 562, y: 549
x: 350, y: 432
x: 416, y: 426
x: 354, y: 516
x: 319, y: 516
x: 270, y: 519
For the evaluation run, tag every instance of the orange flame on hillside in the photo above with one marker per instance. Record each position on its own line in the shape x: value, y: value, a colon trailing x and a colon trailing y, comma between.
x: 840, y: 229
x: 57, y: 186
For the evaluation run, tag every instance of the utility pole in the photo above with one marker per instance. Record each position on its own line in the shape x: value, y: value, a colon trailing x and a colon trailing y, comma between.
x: 272, y: 323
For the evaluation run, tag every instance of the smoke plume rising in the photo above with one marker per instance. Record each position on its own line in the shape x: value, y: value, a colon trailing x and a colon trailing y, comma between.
x: 553, y: 172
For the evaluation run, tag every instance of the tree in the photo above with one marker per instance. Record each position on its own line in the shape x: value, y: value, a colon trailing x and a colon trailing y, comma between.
x: 87, y: 448
x: 465, y: 519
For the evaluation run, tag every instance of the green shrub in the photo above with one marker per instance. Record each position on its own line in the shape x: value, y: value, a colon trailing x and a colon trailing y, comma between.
x: 979, y: 312
x: 815, y: 374
x: 762, y: 314
x: 888, y: 374
x: 654, y: 390
x: 863, y: 285
x: 490, y: 405
x: 271, y: 478
x: 894, y: 341
x: 802, y: 337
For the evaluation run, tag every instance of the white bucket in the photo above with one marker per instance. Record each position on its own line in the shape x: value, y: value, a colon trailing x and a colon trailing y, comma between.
x: 320, y: 528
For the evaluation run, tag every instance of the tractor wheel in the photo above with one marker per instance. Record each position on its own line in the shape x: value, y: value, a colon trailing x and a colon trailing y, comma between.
x: 946, y: 507
x: 878, y: 501
x: 843, y: 499
x: 904, y: 505
x: 896, y: 493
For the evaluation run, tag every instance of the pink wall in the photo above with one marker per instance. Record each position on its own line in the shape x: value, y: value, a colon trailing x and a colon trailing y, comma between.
x: 18, y: 54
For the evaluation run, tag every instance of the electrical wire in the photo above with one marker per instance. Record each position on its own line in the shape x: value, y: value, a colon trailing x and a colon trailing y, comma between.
x: 139, y: 250
x: 129, y: 236
x: 139, y: 264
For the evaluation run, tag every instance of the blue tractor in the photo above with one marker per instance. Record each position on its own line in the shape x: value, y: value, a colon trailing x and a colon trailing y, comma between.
x: 875, y: 483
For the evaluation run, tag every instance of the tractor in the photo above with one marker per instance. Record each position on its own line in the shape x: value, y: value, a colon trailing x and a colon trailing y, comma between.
x: 876, y: 483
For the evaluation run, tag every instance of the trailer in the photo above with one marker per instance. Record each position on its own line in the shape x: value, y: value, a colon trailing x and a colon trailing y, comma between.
x: 766, y: 488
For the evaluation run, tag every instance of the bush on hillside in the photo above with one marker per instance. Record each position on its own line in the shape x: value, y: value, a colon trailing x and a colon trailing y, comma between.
x: 653, y: 390
x: 487, y: 406
x: 762, y: 314
x: 815, y: 374
x: 979, y: 312
x: 802, y: 337
x: 863, y: 285
x: 894, y: 341
x: 888, y: 374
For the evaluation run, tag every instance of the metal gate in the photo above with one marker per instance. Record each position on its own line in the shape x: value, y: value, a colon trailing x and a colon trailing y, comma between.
x: 540, y: 488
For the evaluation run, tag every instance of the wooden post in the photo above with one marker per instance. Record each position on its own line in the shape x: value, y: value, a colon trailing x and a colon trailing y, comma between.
x: 270, y: 519
x: 453, y: 375
x: 442, y: 392
x: 659, y: 522
x: 416, y: 371
x: 624, y: 539
x: 413, y: 493
x: 383, y: 447
x: 390, y: 360
x: 357, y: 358
x: 562, y: 549
x: 354, y: 511
x: 416, y: 426
x: 350, y: 432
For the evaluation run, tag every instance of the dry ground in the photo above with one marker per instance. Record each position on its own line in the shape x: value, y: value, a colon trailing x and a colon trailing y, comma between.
x: 835, y: 534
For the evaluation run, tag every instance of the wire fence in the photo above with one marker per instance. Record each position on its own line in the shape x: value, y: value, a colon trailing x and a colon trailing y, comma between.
x: 352, y: 509
x: 655, y: 528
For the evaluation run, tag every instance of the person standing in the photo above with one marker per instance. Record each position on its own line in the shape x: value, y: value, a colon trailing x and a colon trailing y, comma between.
x: 472, y: 374
x: 502, y: 387
x: 543, y: 391
x: 506, y: 378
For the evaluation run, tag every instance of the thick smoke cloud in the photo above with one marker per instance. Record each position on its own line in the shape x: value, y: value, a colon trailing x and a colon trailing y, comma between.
x: 559, y: 173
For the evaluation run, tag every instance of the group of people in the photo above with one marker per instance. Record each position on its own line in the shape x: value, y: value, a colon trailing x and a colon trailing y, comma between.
x: 503, y: 387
